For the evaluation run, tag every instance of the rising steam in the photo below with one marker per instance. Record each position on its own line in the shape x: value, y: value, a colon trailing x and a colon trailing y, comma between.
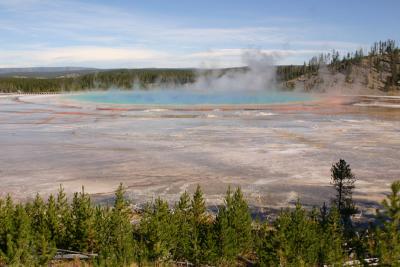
x: 258, y: 75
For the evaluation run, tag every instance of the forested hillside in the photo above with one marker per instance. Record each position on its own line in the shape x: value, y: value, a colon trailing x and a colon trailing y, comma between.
x: 31, y: 233
x: 377, y: 70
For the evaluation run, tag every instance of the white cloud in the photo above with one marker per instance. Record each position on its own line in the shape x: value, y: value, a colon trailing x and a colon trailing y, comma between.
x: 329, y: 44
x: 118, y: 57
x: 238, y: 52
x: 138, y: 57
x: 249, y: 35
x: 60, y: 32
x: 78, y: 55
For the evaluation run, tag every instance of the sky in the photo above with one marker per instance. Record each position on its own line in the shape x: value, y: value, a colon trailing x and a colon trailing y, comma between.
x: 186, y: 33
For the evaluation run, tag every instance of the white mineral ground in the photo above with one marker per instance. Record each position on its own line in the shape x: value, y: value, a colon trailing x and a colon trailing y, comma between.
x: 276, y: 153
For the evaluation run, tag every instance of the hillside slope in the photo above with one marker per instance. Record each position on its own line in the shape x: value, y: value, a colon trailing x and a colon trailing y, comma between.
x: 377, y: 73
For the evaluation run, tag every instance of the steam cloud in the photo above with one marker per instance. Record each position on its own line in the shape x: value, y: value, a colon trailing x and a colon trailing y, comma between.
x: 259, y: 75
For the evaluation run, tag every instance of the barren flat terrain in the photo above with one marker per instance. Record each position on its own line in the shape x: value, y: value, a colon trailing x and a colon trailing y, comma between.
x: 276, y: 153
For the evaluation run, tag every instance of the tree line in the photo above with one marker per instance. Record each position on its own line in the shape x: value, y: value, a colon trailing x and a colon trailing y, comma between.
x: 31, y: 232
x: 121, y: 78
x: 383, y: 57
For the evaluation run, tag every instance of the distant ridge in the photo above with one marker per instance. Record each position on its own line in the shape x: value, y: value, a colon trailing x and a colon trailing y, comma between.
x: 43, y: 70
x: 46, y: 72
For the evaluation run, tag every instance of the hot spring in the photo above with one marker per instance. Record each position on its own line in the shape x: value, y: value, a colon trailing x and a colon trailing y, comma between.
x: 188, y: 97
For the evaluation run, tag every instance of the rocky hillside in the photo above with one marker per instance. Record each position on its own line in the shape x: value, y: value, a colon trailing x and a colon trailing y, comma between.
x: 376, y: 73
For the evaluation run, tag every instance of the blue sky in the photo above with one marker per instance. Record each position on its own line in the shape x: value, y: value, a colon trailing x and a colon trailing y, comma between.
x: 183, y: 33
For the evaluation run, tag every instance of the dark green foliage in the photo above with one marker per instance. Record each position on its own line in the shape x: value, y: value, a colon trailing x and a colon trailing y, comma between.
x: 286, y: 73
x: 233, y: 226
x: 266, y: 245
x: 182, y: 218
x: 15, y: 235
x: 31, y: 232
x: 121, y: 229
x: 332, y: 240
x: 298, y: 239
x: 343, y: 180
x: 197, y: 221
x: 43, y: 241
x: 202, y: 237
x: 388, y: 236
x: 301, y: 238
x: 114, y: 232
x: 59, y: 223
x: 157, y: 231
x: 185, y: 233
x: 80, y: 230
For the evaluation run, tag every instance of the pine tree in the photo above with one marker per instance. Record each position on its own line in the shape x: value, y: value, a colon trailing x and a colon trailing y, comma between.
x: 80, y: 230
x: 297, y: 238
x: 157, y: 231
x: 198, y: 220
x: 343, y: 180
x: 18, y: 238
x: 6, y: 228
x: 63, y: 214
x: 233, y: 224
x: 43, y: 244
x: 209, y: 246
x: 242, y: 221
x: 182, y: 220
x: 121, y: 231
x: 226, y: 247
x: 388, y: 243
x: 52, y: 220
x: 331, y: 238
x: 102, y: 226
x: 266, y: 244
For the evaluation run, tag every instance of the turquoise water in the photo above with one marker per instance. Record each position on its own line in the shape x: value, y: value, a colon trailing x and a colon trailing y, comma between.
x: 187, y: 97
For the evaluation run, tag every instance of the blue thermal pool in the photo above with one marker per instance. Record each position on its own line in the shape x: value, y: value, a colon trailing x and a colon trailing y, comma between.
x: 187, y: 97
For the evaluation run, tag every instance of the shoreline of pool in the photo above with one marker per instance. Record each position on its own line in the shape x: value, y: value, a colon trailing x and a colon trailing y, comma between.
x: 319, y: 100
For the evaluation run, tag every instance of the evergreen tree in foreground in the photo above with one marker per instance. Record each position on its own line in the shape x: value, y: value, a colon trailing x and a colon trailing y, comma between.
x: 297, y: 238
x: 266, y: 245
x: 182, y: 216
x: 119, y: 247
x: 332, y: 240
x: 157, y: 232
x: 43, y: 241
x: 63, y: 214
x: 30, y: 232
x: 233, y: 226
x: 81, y: 223
x: 343, y: 180
x: 388, y: 237
x: 16, y: 239
x: 198, y: 219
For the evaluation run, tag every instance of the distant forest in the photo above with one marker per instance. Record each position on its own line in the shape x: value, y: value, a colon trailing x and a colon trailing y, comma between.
x: 119, y: 78
x: 36, y: 232
x: 383, y: 59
